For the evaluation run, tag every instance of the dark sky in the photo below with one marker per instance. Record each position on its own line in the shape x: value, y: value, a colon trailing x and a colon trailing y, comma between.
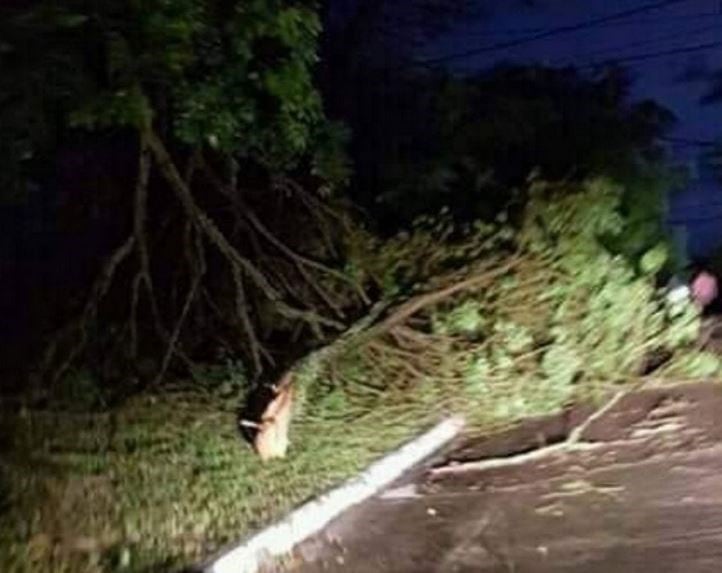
x: 679, y: 26
x: 695, y: 214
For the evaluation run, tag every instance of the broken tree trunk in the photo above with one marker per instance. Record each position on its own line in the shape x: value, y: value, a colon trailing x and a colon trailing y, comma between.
x: 271, y: 436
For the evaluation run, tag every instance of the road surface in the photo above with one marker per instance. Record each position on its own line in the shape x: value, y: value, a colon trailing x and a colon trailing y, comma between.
x: 637, y: 487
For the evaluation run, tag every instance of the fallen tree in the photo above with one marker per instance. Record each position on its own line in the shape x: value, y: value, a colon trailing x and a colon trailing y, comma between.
x: 493, y: 323
x: 533, y: 319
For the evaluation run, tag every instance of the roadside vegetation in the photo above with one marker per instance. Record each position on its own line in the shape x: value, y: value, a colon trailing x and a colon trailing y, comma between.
x: 229, y: 240
x: 533, y: 320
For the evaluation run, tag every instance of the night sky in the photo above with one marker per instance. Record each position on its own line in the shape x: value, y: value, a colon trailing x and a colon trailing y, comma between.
x: 681, y: 25
x: 675, y: 80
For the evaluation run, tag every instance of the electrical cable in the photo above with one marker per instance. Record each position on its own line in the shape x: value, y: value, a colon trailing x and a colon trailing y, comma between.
x: 544, y: 34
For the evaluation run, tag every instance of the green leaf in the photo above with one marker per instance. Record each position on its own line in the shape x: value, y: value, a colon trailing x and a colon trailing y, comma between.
x: 654, y: 259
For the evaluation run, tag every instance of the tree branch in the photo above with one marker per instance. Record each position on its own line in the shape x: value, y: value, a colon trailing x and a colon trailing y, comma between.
x: 242, y: 313
x: 209, y: 228
x: 143, y: 277
x: 299, y: 260
x: 97, y: 293
x: 573, y: 443
x: 214, y: 234
x: 192, y: 290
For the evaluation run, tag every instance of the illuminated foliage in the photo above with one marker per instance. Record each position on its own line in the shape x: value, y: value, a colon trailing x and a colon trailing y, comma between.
x: 235, y: 76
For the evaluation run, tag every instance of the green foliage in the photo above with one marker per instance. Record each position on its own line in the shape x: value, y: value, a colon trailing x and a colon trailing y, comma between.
x: 123, y: 108
x: 465, y: 318
x: 234, y: 76
x: 409, y: 259
x: 225, y: 87
x: 683, y: 324
x: 653, y: 261
x: 647, y: 185
x: 695, y: 365
x: 561, y: 364
x: 225, y: 98
x: 515, y: 338
x: 582, y: 310
x: 570, y: 225
x: 605, y: 316
x: 162, y: 479
x: 80, y: 390
x: 228, y: 379
x: 572, y: 317
x: 329, y: 162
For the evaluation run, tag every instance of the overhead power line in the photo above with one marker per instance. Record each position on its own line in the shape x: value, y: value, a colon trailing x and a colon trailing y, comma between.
x: 625, y: 59
x: 692, y: 142
x: 670, y: 19
x: 548, y: 33
x: 647, y: 42
x: 632, y: 58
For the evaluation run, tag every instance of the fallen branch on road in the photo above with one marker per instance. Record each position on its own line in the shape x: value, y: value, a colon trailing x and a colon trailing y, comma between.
x: 573, y: 443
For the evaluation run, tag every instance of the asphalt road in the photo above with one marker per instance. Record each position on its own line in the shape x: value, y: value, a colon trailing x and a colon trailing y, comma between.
x: 639, y: 489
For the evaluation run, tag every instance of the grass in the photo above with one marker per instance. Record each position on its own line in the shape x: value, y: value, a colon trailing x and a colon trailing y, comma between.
x: 164, y: 479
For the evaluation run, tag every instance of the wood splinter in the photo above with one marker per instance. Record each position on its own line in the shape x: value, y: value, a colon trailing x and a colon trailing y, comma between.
x: 271, y: 437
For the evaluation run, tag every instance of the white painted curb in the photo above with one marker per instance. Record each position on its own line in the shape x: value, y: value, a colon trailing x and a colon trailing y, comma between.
x: 310, y: 518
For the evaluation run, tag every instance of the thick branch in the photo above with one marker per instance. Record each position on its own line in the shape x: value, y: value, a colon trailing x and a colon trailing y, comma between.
x: 414, y: 305
x: 313, y: 202
x: 140, y: 209
x: 209, y: 228
x: 300, y: 260
x: 143, y: 278
x: 573, y: 443
x: 242, y: 312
